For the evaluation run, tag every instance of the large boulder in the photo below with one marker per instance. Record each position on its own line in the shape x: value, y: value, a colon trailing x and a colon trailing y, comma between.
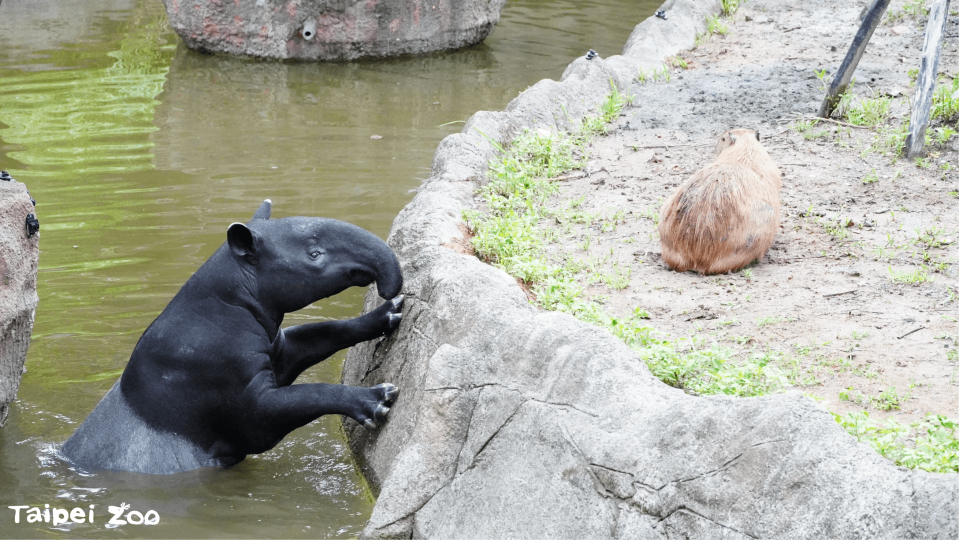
x: 19, y: 256
x: 518, y: 423
x: 332, y: 29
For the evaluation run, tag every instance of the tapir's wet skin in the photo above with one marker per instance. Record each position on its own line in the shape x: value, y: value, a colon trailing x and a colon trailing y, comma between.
x: 141, y: 154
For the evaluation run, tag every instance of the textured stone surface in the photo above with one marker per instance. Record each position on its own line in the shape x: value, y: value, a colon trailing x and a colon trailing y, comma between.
x: 332, y: 29
x: 518, y: 423
x: 19, y: 255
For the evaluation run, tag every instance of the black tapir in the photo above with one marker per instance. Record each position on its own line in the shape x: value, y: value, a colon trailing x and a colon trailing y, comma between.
x: 210, y: 380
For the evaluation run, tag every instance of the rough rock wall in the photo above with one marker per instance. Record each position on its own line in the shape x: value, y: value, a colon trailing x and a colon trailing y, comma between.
x: 19, y: 255
x: 332, y: 29
x: 518, y: 423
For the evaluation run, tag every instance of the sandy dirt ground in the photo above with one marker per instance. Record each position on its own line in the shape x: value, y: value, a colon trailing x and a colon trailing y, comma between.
x: 825, y: 294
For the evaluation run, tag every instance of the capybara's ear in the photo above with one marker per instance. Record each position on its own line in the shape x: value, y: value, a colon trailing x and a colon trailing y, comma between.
x: 757, y: 135
x: 263, y: 212
x: 241, y: 240
x: 732, y: 138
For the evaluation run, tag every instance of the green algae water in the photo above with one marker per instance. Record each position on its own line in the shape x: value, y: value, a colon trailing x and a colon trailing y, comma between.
x: 140, y: 153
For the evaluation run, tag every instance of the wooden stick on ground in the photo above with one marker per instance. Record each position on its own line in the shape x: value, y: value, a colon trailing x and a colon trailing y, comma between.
x: 926, y: 82
x: 911, y: 332
x: 839, y: 293
x: 839, y: 83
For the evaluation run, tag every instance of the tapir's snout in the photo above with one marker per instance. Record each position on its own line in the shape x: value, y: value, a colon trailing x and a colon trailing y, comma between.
x: 389, y: 279
x: 374, y: 260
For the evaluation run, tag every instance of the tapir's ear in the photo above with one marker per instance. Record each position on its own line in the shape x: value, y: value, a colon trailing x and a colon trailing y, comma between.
x: 757, y: 135
x: 263, y: 212
x: 732, y: 138
x: 241, y: 240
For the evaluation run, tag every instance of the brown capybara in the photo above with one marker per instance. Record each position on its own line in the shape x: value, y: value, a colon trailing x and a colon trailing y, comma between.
x: 726, y: 215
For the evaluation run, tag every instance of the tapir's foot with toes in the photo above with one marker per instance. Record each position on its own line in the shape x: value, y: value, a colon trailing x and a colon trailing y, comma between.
x: 389, y: 315
x: 375, y: 409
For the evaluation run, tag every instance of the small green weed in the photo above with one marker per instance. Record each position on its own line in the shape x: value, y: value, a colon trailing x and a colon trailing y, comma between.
x: 944, y: 107
x: 654, y: 75
x: 917, y: 276
x: 915, y: 9
x: 930, y: 237
x: 889, y: 399
x: 890, y: 140
x: 714, y: 25
x: 730, y: 7
x: 821, y: 75
x: 940, y: 136
x: 803, y: 126
x: 837, y: 228
x: 869, y: 112
x: 768, y: 321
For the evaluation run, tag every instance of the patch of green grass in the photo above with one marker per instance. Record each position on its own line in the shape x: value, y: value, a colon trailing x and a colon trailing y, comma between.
x: 619, y: 277
x: 870, y: 178
x: 810, y: 135
x: 730, y: 7
x: 715, y: 25
x: 654, y: 75
x: 929, y: 444
x: 713, y: 371
x: 803, y: 126
x: 939, y: 137
x: 837, y: 228
x: 929, y: 237
x: 608, y: 111
x: 869, y: 111
x: 858, y: 398
x: 944, y: 107
x: 914, y: 9
x: 679, y: 62
x: 915, y: 277
x: 889, y: 399
x: 890, y: 140
x: 768, y: 321
x: 651, y: 214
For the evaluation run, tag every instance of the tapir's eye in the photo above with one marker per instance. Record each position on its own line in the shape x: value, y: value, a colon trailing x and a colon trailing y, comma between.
x: 315, y: 254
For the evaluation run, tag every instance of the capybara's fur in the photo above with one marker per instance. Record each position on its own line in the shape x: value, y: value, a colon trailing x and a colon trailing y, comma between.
x: 725, y: 216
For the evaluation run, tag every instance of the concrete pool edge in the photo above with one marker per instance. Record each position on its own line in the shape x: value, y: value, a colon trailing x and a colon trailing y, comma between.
x: 517, y: 422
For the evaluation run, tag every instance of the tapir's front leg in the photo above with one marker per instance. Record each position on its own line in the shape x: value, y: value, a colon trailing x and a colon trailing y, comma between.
x: 278, y: 411
x: 301, y: 347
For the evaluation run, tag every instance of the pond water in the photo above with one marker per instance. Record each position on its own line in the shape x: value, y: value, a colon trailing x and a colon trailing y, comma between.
x: 140, y: 153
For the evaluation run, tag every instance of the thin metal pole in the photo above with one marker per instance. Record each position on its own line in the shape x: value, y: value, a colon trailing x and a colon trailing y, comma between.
x: 841, y: 81
x: 926, y: 81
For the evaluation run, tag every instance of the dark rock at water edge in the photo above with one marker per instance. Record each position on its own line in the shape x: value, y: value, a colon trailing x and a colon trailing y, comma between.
x: 19, y: 256
x: 332, y: 29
